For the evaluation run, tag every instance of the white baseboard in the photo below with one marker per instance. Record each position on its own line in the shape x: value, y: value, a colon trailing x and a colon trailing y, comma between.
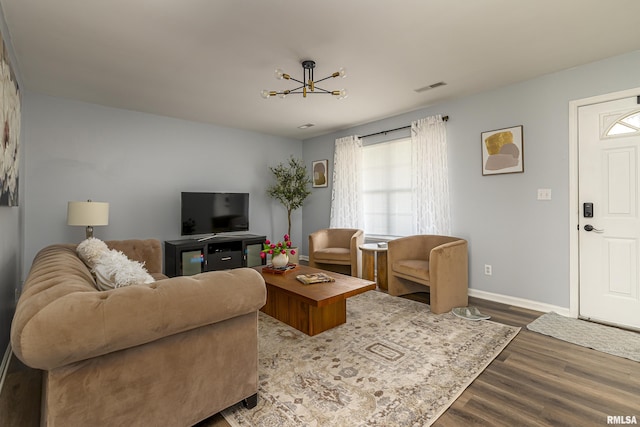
x: 520, y: 302
x: 4, y: 367
x: 303, y: 257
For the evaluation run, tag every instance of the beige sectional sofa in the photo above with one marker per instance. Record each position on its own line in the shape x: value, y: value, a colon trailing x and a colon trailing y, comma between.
x: 169, y: 353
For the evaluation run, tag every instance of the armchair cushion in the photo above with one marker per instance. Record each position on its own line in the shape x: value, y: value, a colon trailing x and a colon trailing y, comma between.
x: 414, y: 268
x: 333, y: 255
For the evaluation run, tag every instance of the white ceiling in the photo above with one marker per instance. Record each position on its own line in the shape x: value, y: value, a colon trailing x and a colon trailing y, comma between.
x: 208, y: 60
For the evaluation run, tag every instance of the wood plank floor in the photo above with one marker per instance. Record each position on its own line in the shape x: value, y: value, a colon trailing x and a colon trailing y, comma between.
x: 541, y: 381
x: 535, y: 381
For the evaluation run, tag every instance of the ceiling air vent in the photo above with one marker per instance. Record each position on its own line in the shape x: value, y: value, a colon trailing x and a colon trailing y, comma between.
x: 432, y: 86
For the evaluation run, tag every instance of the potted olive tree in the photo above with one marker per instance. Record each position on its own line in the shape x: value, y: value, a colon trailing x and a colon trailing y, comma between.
x: 291, y: 186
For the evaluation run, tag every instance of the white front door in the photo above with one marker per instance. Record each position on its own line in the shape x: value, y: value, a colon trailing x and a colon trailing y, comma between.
x: 609, y: 179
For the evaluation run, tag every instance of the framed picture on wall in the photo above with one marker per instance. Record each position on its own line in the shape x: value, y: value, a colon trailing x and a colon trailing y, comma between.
x: 320, y: 173
x: 502, y: 151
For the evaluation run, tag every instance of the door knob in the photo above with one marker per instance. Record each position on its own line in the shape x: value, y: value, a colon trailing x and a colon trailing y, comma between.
x: 590, y: 227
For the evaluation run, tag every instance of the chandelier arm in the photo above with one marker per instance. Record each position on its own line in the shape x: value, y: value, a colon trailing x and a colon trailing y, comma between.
x: 288, y: 91
x: 297, y: 88
x: 326, y: 78
x: 323, y: 90
x: 297, y: 81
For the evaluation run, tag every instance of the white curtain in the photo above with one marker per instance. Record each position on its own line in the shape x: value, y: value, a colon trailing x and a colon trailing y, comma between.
x: 430, y: 198
x: 346, y: 194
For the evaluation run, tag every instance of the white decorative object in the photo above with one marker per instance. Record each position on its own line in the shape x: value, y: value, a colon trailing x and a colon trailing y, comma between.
x: 114, y: 270
x: 280, y: 260
x: 90, y: 250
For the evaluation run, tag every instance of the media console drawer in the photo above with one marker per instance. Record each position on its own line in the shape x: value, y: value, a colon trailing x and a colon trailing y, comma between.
x: 225, y: 260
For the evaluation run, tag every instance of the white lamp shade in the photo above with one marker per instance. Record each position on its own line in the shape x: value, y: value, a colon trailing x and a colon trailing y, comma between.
x: 88, y: 213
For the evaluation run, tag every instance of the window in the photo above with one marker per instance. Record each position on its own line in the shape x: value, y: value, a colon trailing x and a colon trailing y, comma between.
x: 387, y: 188
x: 627, y: 125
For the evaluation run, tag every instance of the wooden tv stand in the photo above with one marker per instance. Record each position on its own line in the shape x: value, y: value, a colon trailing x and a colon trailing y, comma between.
x: 215, y: 253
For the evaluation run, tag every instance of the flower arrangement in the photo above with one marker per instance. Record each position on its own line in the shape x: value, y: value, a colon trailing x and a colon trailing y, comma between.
x: 277, y: 248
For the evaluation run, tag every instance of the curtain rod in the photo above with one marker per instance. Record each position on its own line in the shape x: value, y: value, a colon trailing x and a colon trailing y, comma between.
x: 445, y: 118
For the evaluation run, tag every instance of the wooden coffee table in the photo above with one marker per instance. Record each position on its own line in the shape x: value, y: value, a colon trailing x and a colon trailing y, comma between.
x: 311, y: 308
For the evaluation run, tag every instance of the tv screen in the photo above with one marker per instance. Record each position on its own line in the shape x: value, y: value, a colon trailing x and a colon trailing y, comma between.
x: 206, y: 213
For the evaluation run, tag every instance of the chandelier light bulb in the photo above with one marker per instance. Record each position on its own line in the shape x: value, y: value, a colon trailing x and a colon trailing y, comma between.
x: 265, y: 94
x: 342, y: 94
x: 342, y: 72
x: 279, y: 74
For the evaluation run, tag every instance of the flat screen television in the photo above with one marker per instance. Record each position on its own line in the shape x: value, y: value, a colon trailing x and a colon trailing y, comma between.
x: 207, y: 213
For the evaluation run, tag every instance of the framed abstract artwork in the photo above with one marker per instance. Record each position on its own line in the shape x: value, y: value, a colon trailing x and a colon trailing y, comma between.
x: 502, y: 151
x: 10, y: 124
x: 320, y: 173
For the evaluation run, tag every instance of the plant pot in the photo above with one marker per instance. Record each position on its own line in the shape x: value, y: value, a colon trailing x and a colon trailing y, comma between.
x: 280, y: 260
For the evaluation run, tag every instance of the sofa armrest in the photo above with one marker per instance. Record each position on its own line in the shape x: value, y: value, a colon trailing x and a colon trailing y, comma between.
x: 83, y: 324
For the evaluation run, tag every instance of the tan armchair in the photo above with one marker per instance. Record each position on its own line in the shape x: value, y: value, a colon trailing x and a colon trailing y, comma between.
x: 337, y: 249
x: 437, y: 264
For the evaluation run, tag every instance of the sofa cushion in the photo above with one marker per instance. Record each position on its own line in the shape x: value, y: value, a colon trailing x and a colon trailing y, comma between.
x: 114, y: 270
x: 417, y: 268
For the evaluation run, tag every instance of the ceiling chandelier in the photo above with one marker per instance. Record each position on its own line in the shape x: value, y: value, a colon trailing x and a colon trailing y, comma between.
x: 308, y: 83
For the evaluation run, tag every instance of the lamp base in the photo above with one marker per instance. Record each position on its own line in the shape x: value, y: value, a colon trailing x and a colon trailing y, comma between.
x: 89, y: 232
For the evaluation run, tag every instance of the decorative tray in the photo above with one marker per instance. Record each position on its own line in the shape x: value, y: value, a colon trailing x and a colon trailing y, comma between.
x: 269, y: 268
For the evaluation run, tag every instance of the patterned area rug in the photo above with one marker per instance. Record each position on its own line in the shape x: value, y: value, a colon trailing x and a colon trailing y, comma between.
x: 607, y: 339
x: 393, y: 363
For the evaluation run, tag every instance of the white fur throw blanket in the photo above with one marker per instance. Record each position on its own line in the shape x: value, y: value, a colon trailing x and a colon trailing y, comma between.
x: 112, y: 269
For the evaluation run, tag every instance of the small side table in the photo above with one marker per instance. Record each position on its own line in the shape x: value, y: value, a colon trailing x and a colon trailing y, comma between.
x: 371, y: 253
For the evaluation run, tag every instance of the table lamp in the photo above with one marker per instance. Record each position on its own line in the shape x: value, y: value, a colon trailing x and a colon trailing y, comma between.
x: 88, y: 214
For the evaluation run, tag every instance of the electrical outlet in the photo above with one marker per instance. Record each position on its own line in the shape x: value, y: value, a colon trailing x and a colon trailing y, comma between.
x: 544, y: 194
x: 487, y: 270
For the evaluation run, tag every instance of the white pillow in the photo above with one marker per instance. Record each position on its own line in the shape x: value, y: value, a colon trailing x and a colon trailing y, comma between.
x: 114, y: 270
x: 90, y: 250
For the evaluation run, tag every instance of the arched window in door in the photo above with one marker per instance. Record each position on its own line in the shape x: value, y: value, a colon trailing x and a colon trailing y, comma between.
x: 626, y: 125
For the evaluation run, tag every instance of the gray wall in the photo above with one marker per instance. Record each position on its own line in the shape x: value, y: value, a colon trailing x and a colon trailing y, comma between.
x: 139, y: 163
x: 10, y: 229
x: 10, y: 249
x: 525, y: 240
